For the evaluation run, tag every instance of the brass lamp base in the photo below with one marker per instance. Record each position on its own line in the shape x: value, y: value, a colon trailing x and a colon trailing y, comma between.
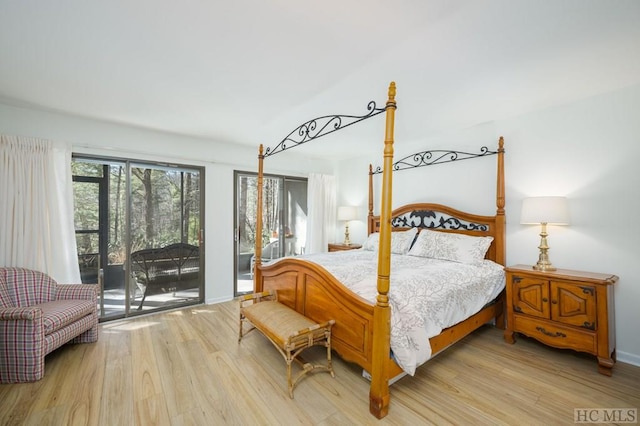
x: 347, y: 241
x: 544, y: 264
x: 544, y: 267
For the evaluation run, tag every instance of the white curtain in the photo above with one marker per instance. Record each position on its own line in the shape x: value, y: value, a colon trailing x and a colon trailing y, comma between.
x: 36, y: 207
x: 321, y: 217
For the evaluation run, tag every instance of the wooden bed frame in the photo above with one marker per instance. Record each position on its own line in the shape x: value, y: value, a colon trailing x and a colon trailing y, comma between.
x: 362, y: 330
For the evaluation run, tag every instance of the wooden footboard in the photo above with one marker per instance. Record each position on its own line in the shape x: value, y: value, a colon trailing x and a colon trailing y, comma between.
x: 310, y: 290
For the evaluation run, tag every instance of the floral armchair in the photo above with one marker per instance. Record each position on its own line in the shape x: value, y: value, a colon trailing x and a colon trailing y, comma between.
x: 38, y: 315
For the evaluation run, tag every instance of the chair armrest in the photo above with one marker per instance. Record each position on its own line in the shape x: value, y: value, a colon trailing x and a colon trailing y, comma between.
x: 22, y: 343
x: 26, y: 314
x: 250, y: 299
x: 77, y: 291
x: 307, y: 330
x: 309, y: 336
x: 267, y: 295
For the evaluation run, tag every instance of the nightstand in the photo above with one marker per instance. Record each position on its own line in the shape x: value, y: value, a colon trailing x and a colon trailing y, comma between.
x: 564, y: 309
x: 343, y: 247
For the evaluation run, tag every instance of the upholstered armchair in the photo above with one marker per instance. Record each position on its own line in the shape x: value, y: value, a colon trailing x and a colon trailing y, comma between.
x: 38, y: 315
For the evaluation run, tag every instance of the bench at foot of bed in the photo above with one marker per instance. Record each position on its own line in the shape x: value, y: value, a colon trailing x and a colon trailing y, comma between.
x: 289, y: 331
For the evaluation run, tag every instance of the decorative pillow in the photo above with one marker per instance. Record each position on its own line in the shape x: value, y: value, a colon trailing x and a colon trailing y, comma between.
x: 400, y: 241
x: 449, y: 246
x: 461, y: 248
x: 425, y: 245
x: 371, y: 244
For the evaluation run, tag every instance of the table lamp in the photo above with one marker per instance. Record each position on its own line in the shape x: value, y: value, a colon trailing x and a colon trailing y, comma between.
x: 347, y: 213
x: 544, y: 211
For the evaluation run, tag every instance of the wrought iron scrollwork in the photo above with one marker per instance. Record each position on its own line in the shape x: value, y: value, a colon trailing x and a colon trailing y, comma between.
x: 587, y: 290
x: 435, y: 220
x: 321, y: 126
x: 433, y: 157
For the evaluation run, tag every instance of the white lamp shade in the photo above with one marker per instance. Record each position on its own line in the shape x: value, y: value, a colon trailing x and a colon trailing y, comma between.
x: 347, y: 213
x: 550, y: 210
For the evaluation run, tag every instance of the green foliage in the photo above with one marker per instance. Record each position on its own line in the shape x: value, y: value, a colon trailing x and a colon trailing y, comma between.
x: 165, y: 207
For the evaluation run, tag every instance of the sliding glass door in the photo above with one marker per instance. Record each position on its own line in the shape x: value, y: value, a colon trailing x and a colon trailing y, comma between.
x: 284, y: 218
x: 138, y: 229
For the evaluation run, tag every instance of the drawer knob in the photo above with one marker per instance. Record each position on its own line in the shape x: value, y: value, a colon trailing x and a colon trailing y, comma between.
x: 556, y: 334
x: 545, y: 300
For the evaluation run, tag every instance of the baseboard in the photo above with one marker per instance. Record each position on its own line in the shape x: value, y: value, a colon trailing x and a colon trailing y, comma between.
x: 628, y: 358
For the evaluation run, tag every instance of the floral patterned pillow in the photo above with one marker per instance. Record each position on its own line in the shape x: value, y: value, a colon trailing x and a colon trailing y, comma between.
x: 425, y: 245
x: 449, y: 246
x: 371, y: 244
x: 400, y: 241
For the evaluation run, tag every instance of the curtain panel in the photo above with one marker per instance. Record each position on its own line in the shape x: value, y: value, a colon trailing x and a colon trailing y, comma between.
x: 36, y: 207
x: 321, y: 216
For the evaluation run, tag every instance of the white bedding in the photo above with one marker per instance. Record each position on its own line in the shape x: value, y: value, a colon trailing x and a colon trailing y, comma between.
x: 426, y: 295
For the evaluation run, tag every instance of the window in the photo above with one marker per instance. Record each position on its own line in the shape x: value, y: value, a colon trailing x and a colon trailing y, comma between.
x: 138, y: 228
x: 284, y: 217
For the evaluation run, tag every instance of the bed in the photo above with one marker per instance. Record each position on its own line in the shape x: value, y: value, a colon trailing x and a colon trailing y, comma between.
x: 362, y: 333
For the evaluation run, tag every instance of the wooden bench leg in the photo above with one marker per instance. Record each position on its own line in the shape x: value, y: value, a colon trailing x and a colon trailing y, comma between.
x: 317, y: 335
x: 289, y: 382
x: 291, y: 345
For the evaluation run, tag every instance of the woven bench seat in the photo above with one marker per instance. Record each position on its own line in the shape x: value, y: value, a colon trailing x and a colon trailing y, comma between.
x: 289, y: 331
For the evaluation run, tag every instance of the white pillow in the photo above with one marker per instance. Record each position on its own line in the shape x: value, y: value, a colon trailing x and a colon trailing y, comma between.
x: 371, y: 244
x: 425, y: 245
x: 400, y: 241
x: 450, y: 246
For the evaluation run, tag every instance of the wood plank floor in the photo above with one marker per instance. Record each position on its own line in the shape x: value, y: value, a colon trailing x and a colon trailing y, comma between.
x: 185, y: 367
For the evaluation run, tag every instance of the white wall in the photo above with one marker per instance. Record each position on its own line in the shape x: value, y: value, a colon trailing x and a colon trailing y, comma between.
x: 587, y: 151
x: 219, y: 160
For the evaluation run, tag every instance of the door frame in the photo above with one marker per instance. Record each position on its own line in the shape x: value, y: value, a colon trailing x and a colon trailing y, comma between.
x: 104, y: 223
x: 282, y: 213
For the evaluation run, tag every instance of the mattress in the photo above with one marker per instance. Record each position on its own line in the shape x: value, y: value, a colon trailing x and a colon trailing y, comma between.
x: 426, y: 295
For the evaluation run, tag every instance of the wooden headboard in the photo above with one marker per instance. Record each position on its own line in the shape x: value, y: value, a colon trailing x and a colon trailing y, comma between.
x: 438, y: 217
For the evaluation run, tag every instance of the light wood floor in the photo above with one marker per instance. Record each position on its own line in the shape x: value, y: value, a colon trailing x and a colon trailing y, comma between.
x: 186, y: 368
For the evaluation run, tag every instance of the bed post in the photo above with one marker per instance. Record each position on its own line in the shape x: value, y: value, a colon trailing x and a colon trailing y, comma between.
x: 379, y: 391
x: 370, y: 224
x: 500, y: 234
x: 500, y: 214
x: 257, y: 280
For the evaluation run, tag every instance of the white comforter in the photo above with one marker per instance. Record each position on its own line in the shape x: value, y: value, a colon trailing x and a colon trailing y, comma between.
x: 426, y: 295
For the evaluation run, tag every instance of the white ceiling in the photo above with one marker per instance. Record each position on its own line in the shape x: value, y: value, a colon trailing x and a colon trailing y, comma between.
x: 249, y: 71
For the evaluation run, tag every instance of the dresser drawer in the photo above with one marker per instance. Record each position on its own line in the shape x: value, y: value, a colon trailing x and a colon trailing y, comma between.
x: 556, y: 335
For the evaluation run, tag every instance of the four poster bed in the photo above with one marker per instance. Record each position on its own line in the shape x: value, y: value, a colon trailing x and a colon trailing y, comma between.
x: 363, y: 322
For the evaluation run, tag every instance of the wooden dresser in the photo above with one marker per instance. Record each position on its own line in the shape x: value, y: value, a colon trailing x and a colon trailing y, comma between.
x: 342, y: 247
x: 565, y: 309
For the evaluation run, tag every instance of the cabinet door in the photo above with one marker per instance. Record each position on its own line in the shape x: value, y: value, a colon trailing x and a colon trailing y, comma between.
x: 531, y: 296
x: 573, y: 304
